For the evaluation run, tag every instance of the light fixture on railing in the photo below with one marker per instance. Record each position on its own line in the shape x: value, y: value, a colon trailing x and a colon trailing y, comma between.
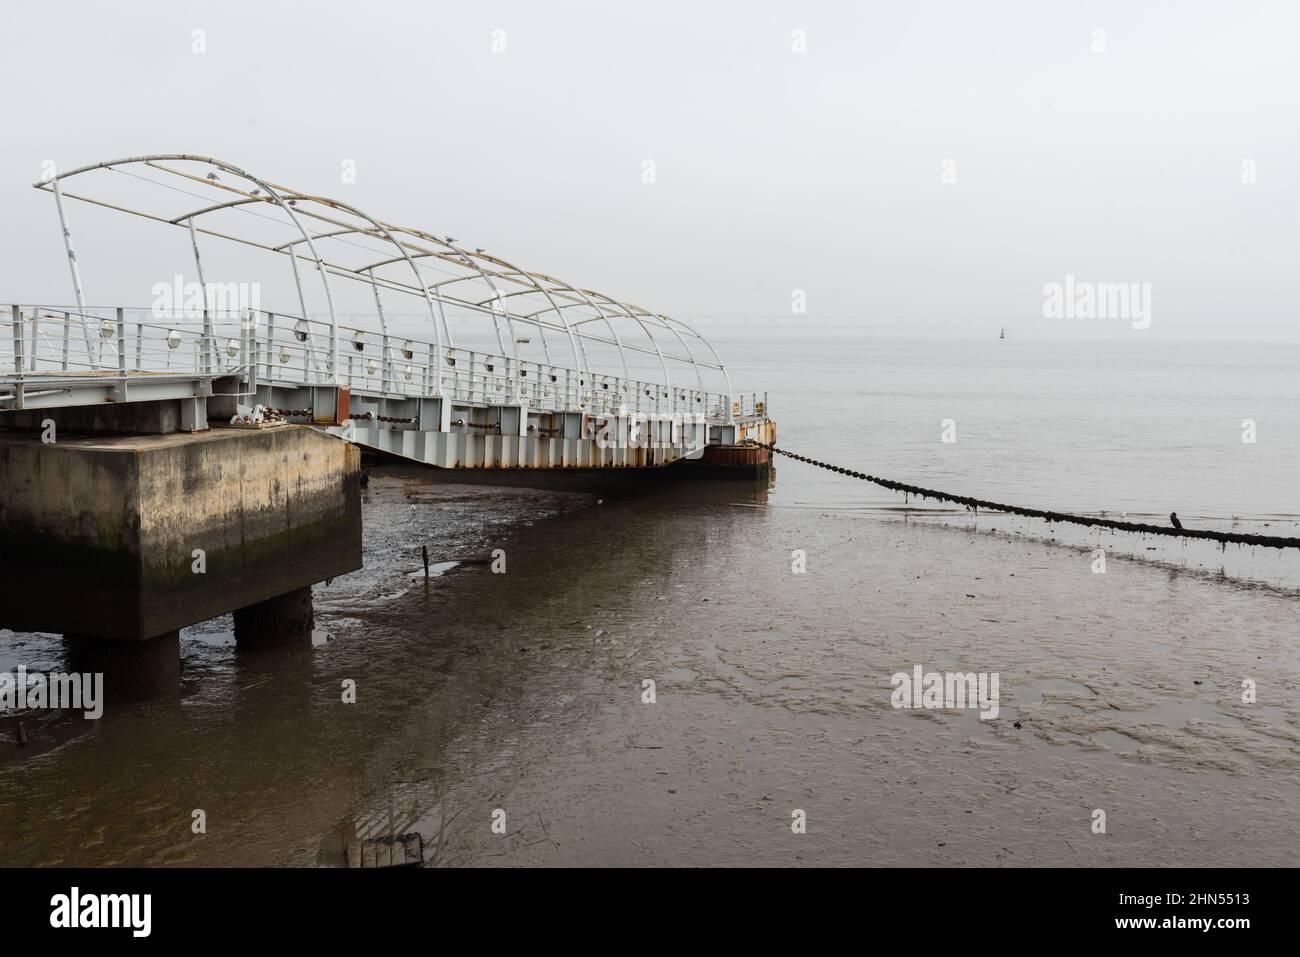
x: 284, y: 355
x: 106, y: 329
x: 232, y: 348
x: 406, y: 372
x: 300, y: 330
x: 451, y: 357
x: 359, y: 341
x: 408, y: 350
x: 173, y: 339
x: 371, y: 367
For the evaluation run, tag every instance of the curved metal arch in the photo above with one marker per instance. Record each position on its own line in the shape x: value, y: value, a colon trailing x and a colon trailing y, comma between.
x: 368, y: 270
x: 500, y: 296
x: 436, y: 372
x: 664, y: 322
x: 261, y: 184
x: 726, y: 377
x: 288, y: 249
x: 562, y: 287
x: 605, y: 307
x: 663, y: 363
x: 602, y: 315
x: 245, y: 201
x: 385, y: 230
x: 699, y: 379
x: 465, y: 258
x: 580, y: 358
x: 462, y: 256
x: 482, y: 306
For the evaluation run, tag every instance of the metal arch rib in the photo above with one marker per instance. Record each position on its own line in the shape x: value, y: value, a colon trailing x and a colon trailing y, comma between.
x: 603, y: 316
x: 466, y: 260
x: 719, y: 365
x: 436, y: 372
x: 561, y: 297
x: 459, y: 258
x: 369, y: 270
x: 663, y: 363
x: 307, y: 237
x: 726, y: 377
x: 699, y: 379
x: 270, y: 191
x: 558, y: 285
x: 579, y: 357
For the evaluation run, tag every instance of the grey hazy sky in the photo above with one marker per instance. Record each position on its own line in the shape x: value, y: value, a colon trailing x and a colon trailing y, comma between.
x: 775, y: 171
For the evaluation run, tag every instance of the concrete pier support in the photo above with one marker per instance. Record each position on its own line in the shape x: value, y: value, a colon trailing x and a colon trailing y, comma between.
x: 119, y: 541
x: 133, y: 670
x: 283, y: 622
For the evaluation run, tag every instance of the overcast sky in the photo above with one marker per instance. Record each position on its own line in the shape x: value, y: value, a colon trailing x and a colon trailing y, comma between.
x: 775, y: 170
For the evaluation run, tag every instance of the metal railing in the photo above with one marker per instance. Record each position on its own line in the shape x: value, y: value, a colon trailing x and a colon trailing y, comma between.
x: 267, y: 348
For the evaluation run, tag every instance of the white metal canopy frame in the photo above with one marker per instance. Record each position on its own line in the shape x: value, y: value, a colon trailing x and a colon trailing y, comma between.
x: 390, y: 259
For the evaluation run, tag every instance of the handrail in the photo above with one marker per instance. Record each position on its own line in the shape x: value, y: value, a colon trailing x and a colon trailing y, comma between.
x: 272, y: 348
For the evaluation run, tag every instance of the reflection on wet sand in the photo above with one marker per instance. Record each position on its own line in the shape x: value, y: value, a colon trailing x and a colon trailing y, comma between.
x: 501, y: 718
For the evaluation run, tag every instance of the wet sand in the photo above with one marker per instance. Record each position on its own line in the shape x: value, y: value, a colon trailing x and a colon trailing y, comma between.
x: 523, y: 692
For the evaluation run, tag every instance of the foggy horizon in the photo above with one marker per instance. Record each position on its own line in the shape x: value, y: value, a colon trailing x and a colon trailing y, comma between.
x: 906, y: 170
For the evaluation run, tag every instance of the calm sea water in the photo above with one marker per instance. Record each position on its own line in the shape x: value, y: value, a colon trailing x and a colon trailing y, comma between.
x: 1131, y: 424
x: 524, y: 693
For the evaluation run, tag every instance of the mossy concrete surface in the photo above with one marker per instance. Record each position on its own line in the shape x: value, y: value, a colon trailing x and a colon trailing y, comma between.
x: 135, y: 536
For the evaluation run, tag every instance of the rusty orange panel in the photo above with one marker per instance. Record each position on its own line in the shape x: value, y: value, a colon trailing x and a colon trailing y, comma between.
x: 734, y: 455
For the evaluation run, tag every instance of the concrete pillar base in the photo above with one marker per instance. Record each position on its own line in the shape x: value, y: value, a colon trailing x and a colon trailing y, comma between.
x: 133, y: 670
x: 284, y: 621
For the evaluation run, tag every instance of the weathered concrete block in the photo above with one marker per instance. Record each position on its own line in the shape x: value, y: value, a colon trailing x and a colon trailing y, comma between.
x: 134, y: 536
x: 132, y: 670
x: 154, y: 418
x: 282, y: 622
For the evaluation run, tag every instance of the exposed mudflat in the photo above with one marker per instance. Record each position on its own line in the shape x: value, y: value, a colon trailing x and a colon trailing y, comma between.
x: 523, y: 692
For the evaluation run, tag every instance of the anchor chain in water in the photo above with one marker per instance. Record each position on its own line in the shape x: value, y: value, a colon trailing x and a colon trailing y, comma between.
x: 1223, y: 538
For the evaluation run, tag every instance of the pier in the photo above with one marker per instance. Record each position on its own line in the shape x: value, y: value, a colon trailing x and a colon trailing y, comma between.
x: 170, y: 463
